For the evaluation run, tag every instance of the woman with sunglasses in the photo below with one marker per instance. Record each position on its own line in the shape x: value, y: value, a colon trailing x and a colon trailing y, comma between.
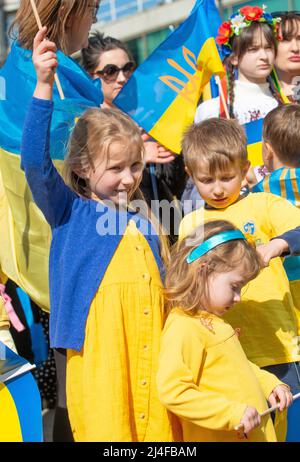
x: 287, y: 62
x: 110, y: 60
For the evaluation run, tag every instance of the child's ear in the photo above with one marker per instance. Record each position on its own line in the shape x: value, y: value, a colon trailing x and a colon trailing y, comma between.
x: 233, y: 59
x: 268, y: 152
x: 245, y: 169
x: 187, y: 171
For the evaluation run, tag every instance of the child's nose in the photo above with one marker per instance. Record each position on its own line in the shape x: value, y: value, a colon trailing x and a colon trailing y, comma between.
x: 237, y: 297
x: 218, y: 189
x: 128, y: 178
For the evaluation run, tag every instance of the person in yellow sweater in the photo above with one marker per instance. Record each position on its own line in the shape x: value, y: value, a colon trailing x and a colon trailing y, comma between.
x: 215, y: 155
x: 204, y: 376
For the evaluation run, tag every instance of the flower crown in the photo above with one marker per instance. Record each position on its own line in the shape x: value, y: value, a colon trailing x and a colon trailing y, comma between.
x: 238, y: 21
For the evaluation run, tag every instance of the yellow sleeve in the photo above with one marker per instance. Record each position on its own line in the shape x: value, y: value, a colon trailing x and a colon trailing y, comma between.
x: 267, y: 380
x: 181, y: 355
x: 283, y: 215
x: 3, y: 278
x: 4, y: 320
x: 190, y: 222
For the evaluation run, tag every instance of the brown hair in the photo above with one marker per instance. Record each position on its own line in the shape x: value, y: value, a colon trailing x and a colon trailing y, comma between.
x: 53, y: 13
x: 218, y: 142
x: 288, y: 24
x: 94, y: 132
x: 99, y: 44
x: 281, y: 130
x: 187, y: 283
x: 240, y: 44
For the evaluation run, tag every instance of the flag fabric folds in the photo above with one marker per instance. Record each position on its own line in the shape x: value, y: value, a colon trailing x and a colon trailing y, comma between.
x: 163, y: 93
x: 20, y: 401
x: 25, y: 235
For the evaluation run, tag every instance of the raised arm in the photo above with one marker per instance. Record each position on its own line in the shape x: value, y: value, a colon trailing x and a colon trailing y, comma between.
x: 49, y: 191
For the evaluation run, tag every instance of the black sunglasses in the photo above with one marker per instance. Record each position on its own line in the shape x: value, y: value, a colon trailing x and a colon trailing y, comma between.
x: 110, y: 72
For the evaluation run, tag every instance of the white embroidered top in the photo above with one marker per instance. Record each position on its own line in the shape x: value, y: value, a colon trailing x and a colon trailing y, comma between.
x: 252, y: 101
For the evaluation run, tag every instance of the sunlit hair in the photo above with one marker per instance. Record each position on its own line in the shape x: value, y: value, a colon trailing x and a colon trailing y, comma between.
x: 99, y: 44
x: 218, y: 143
x: 186, y: 285
x: 94, y: 133
x: 240, y: 44
x: 91, y: 139
x: 53, y: 13
x: 281, y: 130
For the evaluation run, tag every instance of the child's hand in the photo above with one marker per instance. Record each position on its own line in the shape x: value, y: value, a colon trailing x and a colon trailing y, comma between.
x: 155, y: 152
x: 274, y: 248
x: 281, y: 394
x: 251, y: 419
x: 44, y: 58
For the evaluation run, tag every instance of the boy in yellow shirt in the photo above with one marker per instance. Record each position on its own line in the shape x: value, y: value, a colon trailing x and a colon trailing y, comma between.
x: 215, y: 155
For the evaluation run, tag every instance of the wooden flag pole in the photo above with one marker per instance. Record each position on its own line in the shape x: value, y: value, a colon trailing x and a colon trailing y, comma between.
x: 268, y: 411
x: 218, y: 81
x: 40, y: 26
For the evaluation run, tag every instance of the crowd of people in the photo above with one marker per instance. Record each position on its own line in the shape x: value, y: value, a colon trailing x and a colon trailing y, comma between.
x: 189, y: 336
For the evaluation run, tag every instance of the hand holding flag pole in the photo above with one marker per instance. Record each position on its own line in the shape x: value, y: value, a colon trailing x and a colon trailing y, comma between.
x: 268, y: 411
x: 40, y: 26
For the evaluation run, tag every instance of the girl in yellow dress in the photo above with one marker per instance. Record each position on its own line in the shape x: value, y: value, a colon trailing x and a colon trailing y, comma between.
x: 204, y: 376
x: 106, y: 268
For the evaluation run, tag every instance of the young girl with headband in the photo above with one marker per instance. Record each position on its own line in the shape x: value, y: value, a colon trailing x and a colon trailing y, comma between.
x: 204, y: 376
x: 248, y: 42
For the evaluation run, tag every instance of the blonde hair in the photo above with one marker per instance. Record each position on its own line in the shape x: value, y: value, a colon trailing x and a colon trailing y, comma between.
x: 53, y: 13
x: 217, y: 142
x: 187, y: 284
x: 93, y: 134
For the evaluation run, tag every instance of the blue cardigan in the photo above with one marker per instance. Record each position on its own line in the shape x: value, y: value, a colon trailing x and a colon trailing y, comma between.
x: 79, y: 255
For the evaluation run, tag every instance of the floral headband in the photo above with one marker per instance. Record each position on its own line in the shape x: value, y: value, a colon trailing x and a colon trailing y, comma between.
x: 238, y: 21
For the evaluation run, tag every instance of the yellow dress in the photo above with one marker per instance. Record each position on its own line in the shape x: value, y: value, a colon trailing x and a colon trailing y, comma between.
x: 205, y: 378
x: 111, y: 383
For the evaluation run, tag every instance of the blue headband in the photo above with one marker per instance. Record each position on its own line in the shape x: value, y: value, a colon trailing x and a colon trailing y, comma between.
x: 213, y: 242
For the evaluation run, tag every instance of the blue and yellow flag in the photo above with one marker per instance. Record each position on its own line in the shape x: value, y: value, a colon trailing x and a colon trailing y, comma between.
x: 24, y: 234
x: 20, y: 401
x: 163, y: 93
x: 254, y: 138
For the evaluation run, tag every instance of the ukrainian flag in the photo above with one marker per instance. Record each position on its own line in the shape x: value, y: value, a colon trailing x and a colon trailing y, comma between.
x: 24, y: 234
x: 163, y: 93
x: 254, y: 139
x: 20, y: 402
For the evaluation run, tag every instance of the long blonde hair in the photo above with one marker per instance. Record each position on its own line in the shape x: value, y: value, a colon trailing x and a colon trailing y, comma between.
x: 187, y: 284
x: 53, y: 13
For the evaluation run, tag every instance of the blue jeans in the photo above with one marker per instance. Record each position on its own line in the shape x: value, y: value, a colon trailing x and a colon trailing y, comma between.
x: 289, y: 373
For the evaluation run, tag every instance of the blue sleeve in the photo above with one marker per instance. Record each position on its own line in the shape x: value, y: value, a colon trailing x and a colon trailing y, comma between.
x: 292, y: 237
x: 49, y: 191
